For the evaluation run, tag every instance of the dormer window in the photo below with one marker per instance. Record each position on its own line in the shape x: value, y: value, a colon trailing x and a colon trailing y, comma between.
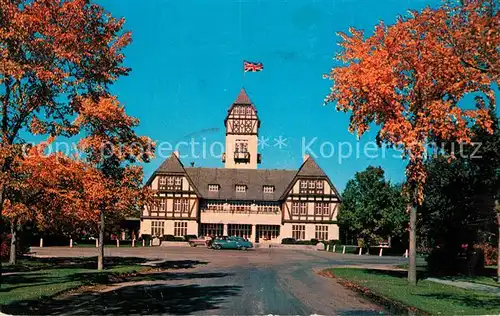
x: 213, y: 187
x: 268, y: 189
x: 241, y: 188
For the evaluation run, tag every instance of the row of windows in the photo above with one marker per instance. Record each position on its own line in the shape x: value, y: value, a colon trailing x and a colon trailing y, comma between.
x: 180, y: 205
x: 170, y: 183
x: 158, y: 228
x: 311, y: 187
x: 266, y: 207
x: 320, y: 208
x: 242, y: 110
x: 306, y: 186
x: 241, y: 188
x: 299, y: 232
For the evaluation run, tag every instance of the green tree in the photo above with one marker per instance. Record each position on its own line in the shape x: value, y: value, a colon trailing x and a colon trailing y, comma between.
x: 373, y: 208
x: 461, y: 195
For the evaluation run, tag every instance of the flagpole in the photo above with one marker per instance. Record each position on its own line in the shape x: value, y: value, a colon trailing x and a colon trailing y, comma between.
x: 243, y: 74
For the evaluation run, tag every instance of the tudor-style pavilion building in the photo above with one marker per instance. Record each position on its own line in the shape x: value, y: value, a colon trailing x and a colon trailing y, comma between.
x: 264, y: 205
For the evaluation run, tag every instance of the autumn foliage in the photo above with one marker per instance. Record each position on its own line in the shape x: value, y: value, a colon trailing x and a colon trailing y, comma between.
x: 57, y: 60
x: 410, y: 77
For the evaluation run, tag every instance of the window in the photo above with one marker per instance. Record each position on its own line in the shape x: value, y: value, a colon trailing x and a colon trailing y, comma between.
x: 171, y: 183
x: 268, y: 207
x: 181, y: 205
x: 212, y: 229
x: 268, y: 189
x: 240, y: 230
x: 322, y: 208
x: 299, y: 232
x: 311, y: 187
x: 157, y: 228
x: 321, y: 232
x: 162, y: 204
x: 241, y: 188
x: 326, y: 208
x: 241, y: 146
x: 213, y: 187
x: 299, y: 208
x: 267, y: 232
x: 180, y: 228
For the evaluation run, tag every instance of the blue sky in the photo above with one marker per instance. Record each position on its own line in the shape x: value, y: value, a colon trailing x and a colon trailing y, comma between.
x: 186, y: 60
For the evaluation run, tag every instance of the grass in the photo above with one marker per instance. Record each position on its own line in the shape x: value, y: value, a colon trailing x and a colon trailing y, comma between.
x: 427, y: 296
x: 35, y: 279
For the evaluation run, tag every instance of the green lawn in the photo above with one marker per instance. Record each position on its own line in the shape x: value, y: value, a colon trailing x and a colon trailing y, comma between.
x: 427, y: 296
x: 35, y: 279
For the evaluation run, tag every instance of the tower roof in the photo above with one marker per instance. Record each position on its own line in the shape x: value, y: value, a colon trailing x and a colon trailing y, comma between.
x: 242, y: 98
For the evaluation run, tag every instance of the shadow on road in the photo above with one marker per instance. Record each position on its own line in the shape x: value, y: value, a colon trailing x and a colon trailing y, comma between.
x: 27, y: 264
x: 148, y: 293
x: 135, y: 299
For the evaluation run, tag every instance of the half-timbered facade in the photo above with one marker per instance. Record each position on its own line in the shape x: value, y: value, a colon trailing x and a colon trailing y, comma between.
x: 264, y: 205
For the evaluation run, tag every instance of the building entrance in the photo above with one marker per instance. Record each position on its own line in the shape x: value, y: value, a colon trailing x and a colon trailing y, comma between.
x: 240, y: 230
x: 267, y: 232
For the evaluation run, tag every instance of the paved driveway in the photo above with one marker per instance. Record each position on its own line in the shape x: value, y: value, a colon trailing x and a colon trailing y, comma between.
x: 203, y: 281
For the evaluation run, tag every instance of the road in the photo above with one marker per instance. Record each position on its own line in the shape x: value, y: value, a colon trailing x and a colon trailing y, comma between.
x: 203, y: 281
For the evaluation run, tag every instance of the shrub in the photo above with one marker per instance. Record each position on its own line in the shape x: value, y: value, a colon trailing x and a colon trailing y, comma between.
x: 288, y: 241
x: 146, y: 237
x: 171, y: 238
x: 314, y: 241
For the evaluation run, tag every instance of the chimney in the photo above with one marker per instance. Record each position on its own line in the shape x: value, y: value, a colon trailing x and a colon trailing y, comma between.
x: 306, y: 157
x: 176, y: 153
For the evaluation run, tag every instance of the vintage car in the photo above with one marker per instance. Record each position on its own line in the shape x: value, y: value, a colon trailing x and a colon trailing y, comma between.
x: 200, y: 241
x: 231, y: 243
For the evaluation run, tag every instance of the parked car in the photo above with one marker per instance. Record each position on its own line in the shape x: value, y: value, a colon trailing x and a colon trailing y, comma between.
x: 200, y: 241
x: 231, y: 243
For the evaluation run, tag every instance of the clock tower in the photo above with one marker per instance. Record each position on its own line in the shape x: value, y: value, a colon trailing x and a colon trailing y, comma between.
x: 242, y: 128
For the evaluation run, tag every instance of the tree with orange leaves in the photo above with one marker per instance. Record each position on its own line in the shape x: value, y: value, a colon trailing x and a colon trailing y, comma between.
x: 48, y: 190
x: 57, y: 61
x: 409, y: 77
x: 111, y: 146
x: 52, y: 52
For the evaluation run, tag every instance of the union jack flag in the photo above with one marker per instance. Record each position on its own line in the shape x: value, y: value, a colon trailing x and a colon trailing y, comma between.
x: 252, y: 67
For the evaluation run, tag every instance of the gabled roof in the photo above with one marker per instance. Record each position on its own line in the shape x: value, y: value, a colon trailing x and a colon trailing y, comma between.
x: 310, y: 169
x: 254, y: 179
x: 171, y: 165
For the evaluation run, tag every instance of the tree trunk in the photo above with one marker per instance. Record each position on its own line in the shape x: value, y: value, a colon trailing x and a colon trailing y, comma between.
x: 13, y: 242
x: 2, y: 190
x: 497, y: 209
x: 412, y: 267
x: 100, y: 249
